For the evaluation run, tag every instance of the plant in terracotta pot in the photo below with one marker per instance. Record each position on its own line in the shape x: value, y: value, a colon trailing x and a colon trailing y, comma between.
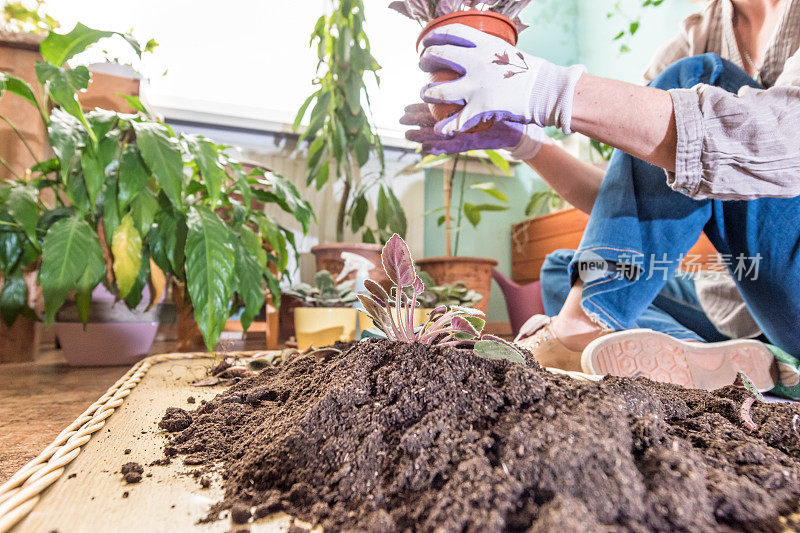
x: 126, y: 203
x: 341, y: 138
x: 499, y: 18
x: 327, y: 314
x: 476, y: 272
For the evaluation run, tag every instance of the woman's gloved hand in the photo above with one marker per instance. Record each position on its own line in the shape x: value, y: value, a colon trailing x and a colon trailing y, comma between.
x: 523, y: 141
x: 498, y: 81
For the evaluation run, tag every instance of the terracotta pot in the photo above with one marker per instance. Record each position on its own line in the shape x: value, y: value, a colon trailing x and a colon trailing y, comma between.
x: 323, y: 326
x: 533, y: 239
x: 20, y: 342
x: 329, y: 257
x: 476, y: 272
x: 486, y: 21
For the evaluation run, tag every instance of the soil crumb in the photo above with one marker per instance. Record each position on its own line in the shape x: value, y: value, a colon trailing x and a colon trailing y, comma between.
x: 132, y: 472
x: 190, y: 399
x: 397, y: 437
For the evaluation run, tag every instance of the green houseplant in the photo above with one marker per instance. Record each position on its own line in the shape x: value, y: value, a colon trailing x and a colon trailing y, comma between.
x: 127, y: 200
x: 341, y: 138
x: 456, y: 212
x: 327, y: 314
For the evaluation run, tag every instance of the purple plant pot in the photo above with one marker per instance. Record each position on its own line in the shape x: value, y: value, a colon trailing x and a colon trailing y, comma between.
x: 114, y: 335
x: 105, y: 344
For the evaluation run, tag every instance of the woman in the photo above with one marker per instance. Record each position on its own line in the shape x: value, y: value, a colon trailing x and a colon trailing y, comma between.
x: 723, y: 129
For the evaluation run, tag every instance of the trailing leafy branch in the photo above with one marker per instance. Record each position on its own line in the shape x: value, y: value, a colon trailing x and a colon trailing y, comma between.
x: 340, y: 137
x: 135, y: 201
x: 632, y: 23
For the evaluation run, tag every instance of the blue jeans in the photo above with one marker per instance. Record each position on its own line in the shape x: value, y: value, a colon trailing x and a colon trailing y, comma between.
x: 675, y: 311
x: 642, y: 229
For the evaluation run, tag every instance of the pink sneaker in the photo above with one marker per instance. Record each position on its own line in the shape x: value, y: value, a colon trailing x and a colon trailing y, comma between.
x: 698, y: 365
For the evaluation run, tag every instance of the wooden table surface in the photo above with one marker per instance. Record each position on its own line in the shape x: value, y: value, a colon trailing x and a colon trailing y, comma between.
x: 39, y: 399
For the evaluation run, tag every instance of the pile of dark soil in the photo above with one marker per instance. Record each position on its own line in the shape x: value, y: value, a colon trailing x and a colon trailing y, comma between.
x: 392, y: 437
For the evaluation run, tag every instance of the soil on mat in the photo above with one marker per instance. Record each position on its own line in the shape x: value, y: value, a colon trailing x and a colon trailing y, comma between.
x: 393, y: 437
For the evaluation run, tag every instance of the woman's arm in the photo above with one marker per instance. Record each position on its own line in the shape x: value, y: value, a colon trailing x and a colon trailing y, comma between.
x: 574, y: 180
x: 638, y: 120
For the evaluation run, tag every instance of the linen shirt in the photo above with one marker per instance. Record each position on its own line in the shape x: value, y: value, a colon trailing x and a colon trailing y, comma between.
x: 736, y: 146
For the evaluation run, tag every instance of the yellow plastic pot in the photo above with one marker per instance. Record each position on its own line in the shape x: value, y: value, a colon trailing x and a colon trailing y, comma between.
x: 420, y: 317
x: 323, y: 326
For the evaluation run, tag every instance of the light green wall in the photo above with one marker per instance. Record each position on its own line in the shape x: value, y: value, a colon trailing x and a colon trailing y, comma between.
x: 565, y: 32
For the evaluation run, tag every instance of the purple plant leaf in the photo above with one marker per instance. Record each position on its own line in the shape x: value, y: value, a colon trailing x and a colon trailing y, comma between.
x: 445, y: 7
x: 377, y: 292
x: 397, y: 262
x: 510, y: 74
x: 469, y: 311
x: 521, y: 26
x: 502, y: 59
x: 402, y: 8
x: 418, y: 286
x: 463, y: 326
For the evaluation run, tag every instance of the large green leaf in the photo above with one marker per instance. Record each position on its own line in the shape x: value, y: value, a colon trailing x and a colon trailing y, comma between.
x: 253, y: 243
x: 162, y: 155
x: 13, y: 298
x: 206, y: 157
x: 168, y: 241
x: 10, y: 246
x: 93, y: 174
x: 210, y: 265
x: 126, y: 247
x: 23, y: 208
x: 135, y: 295
x: 282, y: 192
x: 143, y: 210
x: 67, y: 137
x: 249, y: 283
x: 91, y: 278
x: 9, y: 83
x: 67, y: 251
x: 63, y: 86
x: 133, y: 176
x: 58, y: 48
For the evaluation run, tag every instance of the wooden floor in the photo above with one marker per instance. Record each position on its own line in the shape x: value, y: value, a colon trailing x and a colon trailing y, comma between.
x: 39, y: 399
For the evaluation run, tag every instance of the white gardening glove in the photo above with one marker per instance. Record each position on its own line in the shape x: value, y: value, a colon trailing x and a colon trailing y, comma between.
x: 499, y: 82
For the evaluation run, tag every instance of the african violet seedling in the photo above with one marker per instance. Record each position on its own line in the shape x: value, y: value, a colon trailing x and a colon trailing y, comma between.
x: 446, y: 326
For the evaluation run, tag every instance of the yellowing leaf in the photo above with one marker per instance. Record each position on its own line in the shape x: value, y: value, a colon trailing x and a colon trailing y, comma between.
x: 126, y: 247
x: 157, y: 283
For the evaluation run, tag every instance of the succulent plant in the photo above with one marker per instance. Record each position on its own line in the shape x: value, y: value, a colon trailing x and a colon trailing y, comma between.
x: 448, y: 294
x: 424, y: 11
x: 446, y: 326
x: 325, y: 292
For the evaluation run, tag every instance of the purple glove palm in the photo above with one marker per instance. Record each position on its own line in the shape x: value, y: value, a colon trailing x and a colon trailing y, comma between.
x: 523, y: 141
x: 500, y: 135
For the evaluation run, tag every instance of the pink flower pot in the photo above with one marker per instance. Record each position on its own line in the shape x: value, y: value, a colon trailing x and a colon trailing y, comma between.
x: 114, y: 336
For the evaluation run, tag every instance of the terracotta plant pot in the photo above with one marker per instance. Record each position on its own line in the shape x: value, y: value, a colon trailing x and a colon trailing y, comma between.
x: 476, y: 272
x: 329, y: 257
x: 486, y: 21
x: 323, y: 326
x: 20, y: 342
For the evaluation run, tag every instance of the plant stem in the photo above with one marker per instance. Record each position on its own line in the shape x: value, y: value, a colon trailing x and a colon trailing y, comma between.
x: 343, y: 210
x: 21, y: 138
x: 448, y: 193
x: 460, y: 209
x: 5, y: 164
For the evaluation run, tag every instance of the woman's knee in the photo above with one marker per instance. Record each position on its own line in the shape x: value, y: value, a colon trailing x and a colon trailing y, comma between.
x: 709, y: 69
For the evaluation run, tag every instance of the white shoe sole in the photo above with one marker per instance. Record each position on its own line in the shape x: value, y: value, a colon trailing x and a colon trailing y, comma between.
x: 657, y: 356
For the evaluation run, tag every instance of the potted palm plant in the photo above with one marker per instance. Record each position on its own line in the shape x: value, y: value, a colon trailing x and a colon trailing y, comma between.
x: 327, y: 314
x: 126, y: 203
x: 341, y: 138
